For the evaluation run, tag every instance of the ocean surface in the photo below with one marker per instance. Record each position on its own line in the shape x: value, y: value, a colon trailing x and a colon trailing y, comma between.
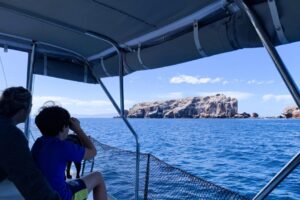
x: 239, y: 154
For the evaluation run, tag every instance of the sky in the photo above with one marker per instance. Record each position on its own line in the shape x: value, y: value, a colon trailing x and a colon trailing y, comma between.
x: 248, y: 75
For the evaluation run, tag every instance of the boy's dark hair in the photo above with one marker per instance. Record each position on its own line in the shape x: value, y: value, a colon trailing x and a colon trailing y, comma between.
x: 14, y: 99
x: 52, y: 119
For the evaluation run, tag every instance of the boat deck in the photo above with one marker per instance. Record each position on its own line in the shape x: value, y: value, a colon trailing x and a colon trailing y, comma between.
x: 9, y: 191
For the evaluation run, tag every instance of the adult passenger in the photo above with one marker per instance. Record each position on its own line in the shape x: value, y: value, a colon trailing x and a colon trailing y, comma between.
x: 16, y: 163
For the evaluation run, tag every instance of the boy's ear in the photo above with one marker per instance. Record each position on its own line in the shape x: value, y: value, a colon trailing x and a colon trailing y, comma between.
x: 65, y: 126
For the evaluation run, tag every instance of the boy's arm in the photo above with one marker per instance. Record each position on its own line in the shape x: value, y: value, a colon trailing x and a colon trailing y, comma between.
x: 90, y: 149
x: 22, y: 171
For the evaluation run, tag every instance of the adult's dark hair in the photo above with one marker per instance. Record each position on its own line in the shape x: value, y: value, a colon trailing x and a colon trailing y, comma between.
x: 52, y: 119
x: 14, y: 99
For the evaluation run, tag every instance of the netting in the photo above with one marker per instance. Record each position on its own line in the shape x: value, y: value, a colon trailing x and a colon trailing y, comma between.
x: 158, y: 180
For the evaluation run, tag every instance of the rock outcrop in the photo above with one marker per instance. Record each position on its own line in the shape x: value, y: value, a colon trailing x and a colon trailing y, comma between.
x: 254, y: 115
x: 218, y: 106
x: 291, y: 112
x: 242, y: 115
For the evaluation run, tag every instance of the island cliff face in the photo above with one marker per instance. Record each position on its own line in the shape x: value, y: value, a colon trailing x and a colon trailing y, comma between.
x: 291, y: 112
x: 218, y: 106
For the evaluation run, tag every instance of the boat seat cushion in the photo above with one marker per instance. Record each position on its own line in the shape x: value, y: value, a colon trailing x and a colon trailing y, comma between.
x: 9, y: 191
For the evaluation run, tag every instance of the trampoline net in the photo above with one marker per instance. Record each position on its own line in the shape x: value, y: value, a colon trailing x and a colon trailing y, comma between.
x: 157, y: 180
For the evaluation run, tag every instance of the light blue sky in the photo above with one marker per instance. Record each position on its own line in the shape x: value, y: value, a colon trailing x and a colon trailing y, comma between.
x: 248, y: 75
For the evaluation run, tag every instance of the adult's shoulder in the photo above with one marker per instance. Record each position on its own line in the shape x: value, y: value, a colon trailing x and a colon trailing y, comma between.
x: 12, y: 134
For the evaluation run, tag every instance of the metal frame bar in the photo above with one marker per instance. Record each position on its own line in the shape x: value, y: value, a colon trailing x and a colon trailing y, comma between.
x: 121, y: 82
x: 129, y: 127
x: 197, y: 40
x: 139, y: 56
x: 276, y: 21
x: 292, y: 87
x: 27, y: 47
x: 104, y: 67
x: 119, y: 110
x: 94, y: 35
x: 29, y: 81
x: 184, y: 22
x: 278, y: 178
x: 282, y: 69
x: 98, y: 36
x: 79, y: 56
x: 92, y: 161
x: 146, y: 189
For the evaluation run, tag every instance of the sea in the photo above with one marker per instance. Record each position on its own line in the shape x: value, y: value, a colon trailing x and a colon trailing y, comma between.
x: 241, y: 155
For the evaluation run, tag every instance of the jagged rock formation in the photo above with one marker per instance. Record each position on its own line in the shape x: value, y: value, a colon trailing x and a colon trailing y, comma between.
x: 218, y: 106
x: 291, y: 112
x: 254, y: 115
x: 242, y: 115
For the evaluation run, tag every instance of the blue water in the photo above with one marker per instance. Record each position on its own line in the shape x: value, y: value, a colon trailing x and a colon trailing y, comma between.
x: 239, y: 154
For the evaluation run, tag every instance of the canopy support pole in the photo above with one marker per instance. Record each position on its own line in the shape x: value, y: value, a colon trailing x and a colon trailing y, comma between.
x: 280, y: 176
x: 120, y: 110
x: 130, y: 128
x: 29, y: 81
x: 282, y: 69
x: 292, y: 87
x: 121, y: 82
x: 122, y: 115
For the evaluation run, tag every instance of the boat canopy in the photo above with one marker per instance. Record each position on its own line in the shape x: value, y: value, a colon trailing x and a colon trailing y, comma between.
x: 72, y: 35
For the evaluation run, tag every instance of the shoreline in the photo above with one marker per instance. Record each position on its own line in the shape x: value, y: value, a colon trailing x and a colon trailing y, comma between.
x: 225, y: 118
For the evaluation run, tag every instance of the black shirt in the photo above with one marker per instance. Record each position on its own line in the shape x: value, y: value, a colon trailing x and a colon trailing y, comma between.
x: 17, y: 165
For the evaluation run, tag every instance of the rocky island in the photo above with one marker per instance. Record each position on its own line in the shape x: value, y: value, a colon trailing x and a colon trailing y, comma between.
x: 291, y: 112
x: 217, y: 106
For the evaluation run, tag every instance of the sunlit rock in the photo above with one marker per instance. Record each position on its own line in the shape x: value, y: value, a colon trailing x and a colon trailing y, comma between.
x: 291, y: 112
x: 254, y: 115
x: 217, y: 106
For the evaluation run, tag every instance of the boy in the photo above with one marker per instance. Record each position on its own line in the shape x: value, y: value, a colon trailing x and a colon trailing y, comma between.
x: 51, y: 153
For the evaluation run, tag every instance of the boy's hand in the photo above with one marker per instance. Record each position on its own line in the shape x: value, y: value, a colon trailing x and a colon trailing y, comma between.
x: 75, y: 125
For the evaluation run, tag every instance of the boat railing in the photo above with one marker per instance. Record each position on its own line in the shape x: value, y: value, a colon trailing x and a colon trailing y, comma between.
x: 289, y: 82
x: 266, y: 42
x: 279, y: 177
x: 91, y: 162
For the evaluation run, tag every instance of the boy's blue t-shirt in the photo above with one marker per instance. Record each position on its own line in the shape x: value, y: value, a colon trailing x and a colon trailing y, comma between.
x: 51, y: 155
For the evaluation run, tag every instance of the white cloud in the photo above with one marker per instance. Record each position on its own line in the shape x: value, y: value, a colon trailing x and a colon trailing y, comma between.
x: 225, y: 82
x: 237, y: 80
x: 235, y: 94
x: 256, y: 82
x: 65, y: 101
x: 129, y: 103
x: 205, y: 80
x: 78, y: 106
x: 193, y: 80
x: 272, y: 97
